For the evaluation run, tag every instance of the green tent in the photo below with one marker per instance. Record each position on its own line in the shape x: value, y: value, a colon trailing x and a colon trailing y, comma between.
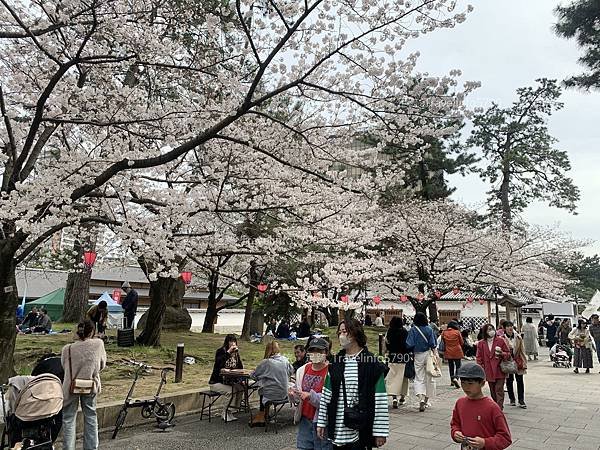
x: 54, y: 302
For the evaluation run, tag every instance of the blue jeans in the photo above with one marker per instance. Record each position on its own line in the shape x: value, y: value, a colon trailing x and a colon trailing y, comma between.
x: 90, y: 423
x: 307, y: 437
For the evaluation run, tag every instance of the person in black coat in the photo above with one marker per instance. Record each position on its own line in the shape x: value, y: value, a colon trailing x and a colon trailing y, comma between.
x: 227, y: 357
x: 283, y: 330
x: 360, y: 374
x: 400, y: 358
x: 129, y: 305
x: 304, y: 328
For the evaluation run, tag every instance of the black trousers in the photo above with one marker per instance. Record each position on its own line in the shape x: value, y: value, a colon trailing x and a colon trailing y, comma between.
x: 453, y: 365
x: 354, y: 446
x: 129, y: 320
x: 520, y: 388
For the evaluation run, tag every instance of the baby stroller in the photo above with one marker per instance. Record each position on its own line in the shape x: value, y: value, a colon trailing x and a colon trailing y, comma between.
x: 33, y: 412
x: 561, y: 357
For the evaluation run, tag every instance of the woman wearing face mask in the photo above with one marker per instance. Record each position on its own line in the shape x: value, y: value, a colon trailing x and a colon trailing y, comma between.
x: 422, y: 340
x: 491, y: 351
x: 353, y: 413
x: 307, y: 394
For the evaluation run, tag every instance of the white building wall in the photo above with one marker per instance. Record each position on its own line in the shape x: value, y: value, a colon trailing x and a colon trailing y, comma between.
x: 228, y: 321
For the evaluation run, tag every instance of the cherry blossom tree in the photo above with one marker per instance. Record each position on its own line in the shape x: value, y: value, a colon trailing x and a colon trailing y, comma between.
x: 93, y: 94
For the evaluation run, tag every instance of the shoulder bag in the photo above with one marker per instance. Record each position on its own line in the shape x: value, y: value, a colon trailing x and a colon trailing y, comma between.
x: 433, y: 362
x: 354, y: 417
x: 78, y: 385
x: 509, y: 367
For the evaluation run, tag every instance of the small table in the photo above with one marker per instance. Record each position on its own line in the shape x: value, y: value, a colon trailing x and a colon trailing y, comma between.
x: 242, y: 376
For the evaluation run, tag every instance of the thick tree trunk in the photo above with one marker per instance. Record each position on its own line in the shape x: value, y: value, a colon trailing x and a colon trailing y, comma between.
x: 433, y: 311
x: 249, y: 302
x: 166, y: 293
x: 77, y: 292
x: 332, y: 315
x: 505, y: 198
x: 163, y: 292
x: 211, y: 308
x: 9, y: 300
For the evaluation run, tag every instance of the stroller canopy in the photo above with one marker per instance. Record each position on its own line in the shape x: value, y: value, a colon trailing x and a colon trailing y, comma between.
x: 41, y: 398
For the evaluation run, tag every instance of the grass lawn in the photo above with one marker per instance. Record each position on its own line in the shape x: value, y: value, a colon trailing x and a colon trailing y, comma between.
x: 117, y: 376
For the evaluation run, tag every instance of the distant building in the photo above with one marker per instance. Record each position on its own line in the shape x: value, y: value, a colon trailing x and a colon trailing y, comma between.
x: 35, y: 283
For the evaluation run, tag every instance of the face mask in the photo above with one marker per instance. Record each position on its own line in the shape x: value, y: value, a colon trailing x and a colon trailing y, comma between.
x: 491, y: 333
x: 345, y: 341
x: 317, y: 358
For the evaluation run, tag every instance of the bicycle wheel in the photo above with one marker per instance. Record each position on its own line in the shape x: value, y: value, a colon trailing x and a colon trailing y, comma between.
x: 165, y: 413
x: 147, y: 411
x: 120, y: 422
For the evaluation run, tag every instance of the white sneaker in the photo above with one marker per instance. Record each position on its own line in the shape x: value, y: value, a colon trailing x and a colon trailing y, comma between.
x: 229, y: 417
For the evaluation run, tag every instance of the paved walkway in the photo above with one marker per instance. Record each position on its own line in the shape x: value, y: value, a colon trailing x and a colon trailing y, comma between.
x: 563, y: 414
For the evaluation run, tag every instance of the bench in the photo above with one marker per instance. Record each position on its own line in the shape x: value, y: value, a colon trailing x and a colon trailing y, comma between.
x: 208, y: 400
x: 272, y: 410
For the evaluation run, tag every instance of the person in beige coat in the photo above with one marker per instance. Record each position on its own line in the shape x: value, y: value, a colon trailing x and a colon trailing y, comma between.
x: 584, y: 344
x: 83, y: 360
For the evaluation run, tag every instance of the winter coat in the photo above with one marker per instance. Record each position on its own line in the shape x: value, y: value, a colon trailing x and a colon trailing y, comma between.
x: 453, y: 343
x: 488, y: 359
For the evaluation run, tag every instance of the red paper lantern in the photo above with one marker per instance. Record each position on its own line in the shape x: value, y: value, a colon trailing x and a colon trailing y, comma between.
x: 438, y: 293
x: 116, y: 295
x: 262, y: 288
x: 186, y: 277
x: 89, y: 258
x: 345, y: 298
x: 403, y: 298
x: 481, y: 301
x: 377, y: 299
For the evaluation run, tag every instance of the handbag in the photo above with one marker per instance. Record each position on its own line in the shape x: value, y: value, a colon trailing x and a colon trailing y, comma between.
x: 432, y: 364
x: 409, y: 369
x: 442, y: 345
x: 80, y: 386
x: 509, y: 367
x: 354, y: 417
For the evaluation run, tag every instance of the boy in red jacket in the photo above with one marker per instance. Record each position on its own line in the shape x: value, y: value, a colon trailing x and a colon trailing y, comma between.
x: 477, y: 421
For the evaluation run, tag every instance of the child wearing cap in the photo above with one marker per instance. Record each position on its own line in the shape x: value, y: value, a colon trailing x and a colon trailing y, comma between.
x: 477, y: 421
x: 307, y: 393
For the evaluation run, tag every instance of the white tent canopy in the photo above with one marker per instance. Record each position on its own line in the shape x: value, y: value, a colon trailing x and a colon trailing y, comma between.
x: 593, y: 307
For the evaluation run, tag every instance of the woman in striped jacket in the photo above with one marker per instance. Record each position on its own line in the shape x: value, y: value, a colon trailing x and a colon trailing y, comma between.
x: 355, y: 381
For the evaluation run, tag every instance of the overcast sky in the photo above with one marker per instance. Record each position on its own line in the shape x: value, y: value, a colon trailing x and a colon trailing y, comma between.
x: 506, y: 45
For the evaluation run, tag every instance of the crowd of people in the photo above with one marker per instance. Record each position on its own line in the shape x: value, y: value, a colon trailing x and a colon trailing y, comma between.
x: 342, y: 400
x: 579, y: 341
